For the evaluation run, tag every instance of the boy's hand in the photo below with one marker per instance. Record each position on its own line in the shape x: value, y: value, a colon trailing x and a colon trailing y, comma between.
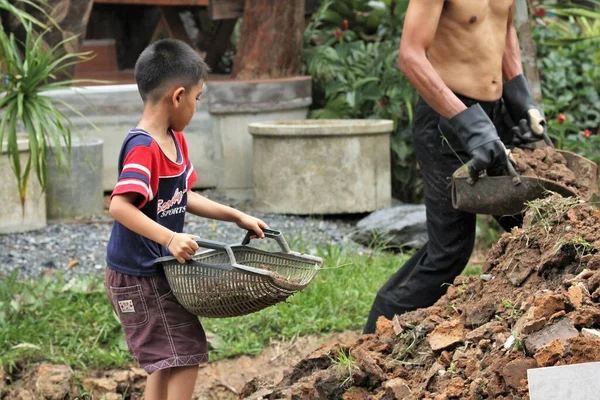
x: 183, y: 246
x: 250, y: 223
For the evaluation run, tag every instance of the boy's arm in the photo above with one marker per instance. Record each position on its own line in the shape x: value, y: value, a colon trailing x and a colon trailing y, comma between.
x: 203, y: 207
x: 122, y: 209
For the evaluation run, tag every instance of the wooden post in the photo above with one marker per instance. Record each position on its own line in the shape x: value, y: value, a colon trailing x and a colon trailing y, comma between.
x: 528, y: 49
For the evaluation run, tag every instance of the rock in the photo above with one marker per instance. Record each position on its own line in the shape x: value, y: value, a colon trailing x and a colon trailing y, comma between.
x: 397, y: 389
x: 590, y: 333
x: 484, y: 331
x: 396, y: 325
x: 549, y: 354
x: 112, y: 396
x: 476, y: 314
x: 99, y: 386
x: 455, y: 387
x: 356, y: 393
x: 515, y: 372
x: 21, y: 394
x: 384, y: 328
x: 528, y: 323
x: 562, y: 330
x: 575, y: 295
x: 446, y: 334
x: 548, y: 305
x: 53, y: 381
x: 587, y: 317
x: 403, y: 225
x: 367, y: 361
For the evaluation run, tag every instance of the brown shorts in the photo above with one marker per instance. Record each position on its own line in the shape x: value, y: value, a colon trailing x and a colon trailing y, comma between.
x: 160, y: 333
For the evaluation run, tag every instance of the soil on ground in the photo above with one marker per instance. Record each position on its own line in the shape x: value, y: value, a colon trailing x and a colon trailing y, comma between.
x: 550, y: 164
x: 219, y: 380
x: 535, y: 305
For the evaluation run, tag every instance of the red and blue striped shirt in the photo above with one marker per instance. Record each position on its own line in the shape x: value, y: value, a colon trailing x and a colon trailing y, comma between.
x: 161, y: 185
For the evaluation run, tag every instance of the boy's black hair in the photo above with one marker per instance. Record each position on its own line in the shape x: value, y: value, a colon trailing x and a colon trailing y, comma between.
x: 168, y: 60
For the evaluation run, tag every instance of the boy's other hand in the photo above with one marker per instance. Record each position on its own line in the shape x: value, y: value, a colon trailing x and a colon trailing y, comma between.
x: 183, y: 246
x: 251, y: 223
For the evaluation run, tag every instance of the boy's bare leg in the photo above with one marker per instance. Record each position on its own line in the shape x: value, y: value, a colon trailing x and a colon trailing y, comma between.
x: 156, y: 385
x: 181, y: 382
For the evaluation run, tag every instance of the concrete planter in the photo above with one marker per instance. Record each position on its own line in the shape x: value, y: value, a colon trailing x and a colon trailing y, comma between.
x: 235, y: 104
x: 13, y: 218
x: 219, y: 144
x: 322, y: 166
x: 78, y: 193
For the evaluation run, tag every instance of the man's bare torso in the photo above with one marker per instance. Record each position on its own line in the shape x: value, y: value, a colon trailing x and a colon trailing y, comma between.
x: 469, y: 46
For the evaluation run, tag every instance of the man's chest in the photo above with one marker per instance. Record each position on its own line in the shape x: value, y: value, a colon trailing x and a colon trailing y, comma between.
x: 477, y: 12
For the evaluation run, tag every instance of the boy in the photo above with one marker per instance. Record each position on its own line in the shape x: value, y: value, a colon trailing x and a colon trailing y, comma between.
x: 148, y: 204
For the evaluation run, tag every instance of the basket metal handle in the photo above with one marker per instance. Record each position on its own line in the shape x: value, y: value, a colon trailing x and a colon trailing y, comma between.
x: 211, y: 244
x: 271, y: 234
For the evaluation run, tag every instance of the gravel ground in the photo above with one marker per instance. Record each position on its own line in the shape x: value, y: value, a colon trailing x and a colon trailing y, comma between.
x: 79, y: 247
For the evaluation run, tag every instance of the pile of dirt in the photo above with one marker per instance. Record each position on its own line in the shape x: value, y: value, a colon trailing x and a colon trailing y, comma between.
x: 535, y: 305
x: 548, y: 163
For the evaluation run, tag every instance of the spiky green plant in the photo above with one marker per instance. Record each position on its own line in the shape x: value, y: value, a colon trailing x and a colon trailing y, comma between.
x: 28, y: 72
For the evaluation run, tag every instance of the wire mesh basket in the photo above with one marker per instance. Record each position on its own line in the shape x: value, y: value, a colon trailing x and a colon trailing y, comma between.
x: 233, y: 280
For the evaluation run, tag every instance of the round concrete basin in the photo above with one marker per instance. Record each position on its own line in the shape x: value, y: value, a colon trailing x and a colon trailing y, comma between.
x: 321, y: 166
x: 79, y: 192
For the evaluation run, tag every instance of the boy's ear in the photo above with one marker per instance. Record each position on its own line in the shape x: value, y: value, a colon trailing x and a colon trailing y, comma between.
x: 177, y: 95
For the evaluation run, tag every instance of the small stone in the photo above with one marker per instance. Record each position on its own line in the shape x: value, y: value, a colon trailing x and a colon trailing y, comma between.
x: 557, y: 315
x: 396, y: 325
x: 99, y: 387
x: 510, y: 342
x: 590, y: 333
x: 384, y: 328
x: 484, y: 343
x: 575, y: 295
x: 528, y: 323
x: 515, y: 372
x: 486, y: 277
x: 484, y: 331
x: 398, y: 388
x: 97, y: 266
x: 549, y: 354
x: 455, y: 387
x: 53, y: 381
x: 548, y: 305
x: 446, y: 335
x: 562, y: 330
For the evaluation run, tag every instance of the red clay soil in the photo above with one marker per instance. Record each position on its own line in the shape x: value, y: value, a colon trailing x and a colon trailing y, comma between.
x: 539, y: 290
x: 548, y: 163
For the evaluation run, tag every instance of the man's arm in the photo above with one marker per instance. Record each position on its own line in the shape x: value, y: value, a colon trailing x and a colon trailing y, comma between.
x: 420, y: 26
x: 511, y: 62
x: 203, y: 207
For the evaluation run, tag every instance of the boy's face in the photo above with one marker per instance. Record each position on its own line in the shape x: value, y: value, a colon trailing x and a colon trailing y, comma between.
x: 184, y: 106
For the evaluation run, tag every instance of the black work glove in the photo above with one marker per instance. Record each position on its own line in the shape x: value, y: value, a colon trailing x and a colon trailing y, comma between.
x: 479, y: 136
x: 530, y: 124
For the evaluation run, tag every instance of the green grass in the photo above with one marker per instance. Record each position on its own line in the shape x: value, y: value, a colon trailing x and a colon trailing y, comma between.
x: 72, y: 323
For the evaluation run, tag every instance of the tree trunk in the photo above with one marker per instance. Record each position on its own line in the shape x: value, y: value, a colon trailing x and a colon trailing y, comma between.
x: 71, y: 15
x: 270, y: 42
x: 528, y: 49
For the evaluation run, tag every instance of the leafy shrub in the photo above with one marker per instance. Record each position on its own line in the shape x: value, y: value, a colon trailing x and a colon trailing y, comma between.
x: 351, y: 51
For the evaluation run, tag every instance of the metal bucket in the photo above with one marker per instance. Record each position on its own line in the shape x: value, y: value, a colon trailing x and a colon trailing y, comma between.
x: 498, y: 195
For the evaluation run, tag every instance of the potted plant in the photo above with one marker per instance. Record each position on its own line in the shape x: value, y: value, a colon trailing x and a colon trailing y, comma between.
x: 31, y: 122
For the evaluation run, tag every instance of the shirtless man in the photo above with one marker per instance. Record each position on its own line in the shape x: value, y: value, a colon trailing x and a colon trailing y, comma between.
x: 463, y: 57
